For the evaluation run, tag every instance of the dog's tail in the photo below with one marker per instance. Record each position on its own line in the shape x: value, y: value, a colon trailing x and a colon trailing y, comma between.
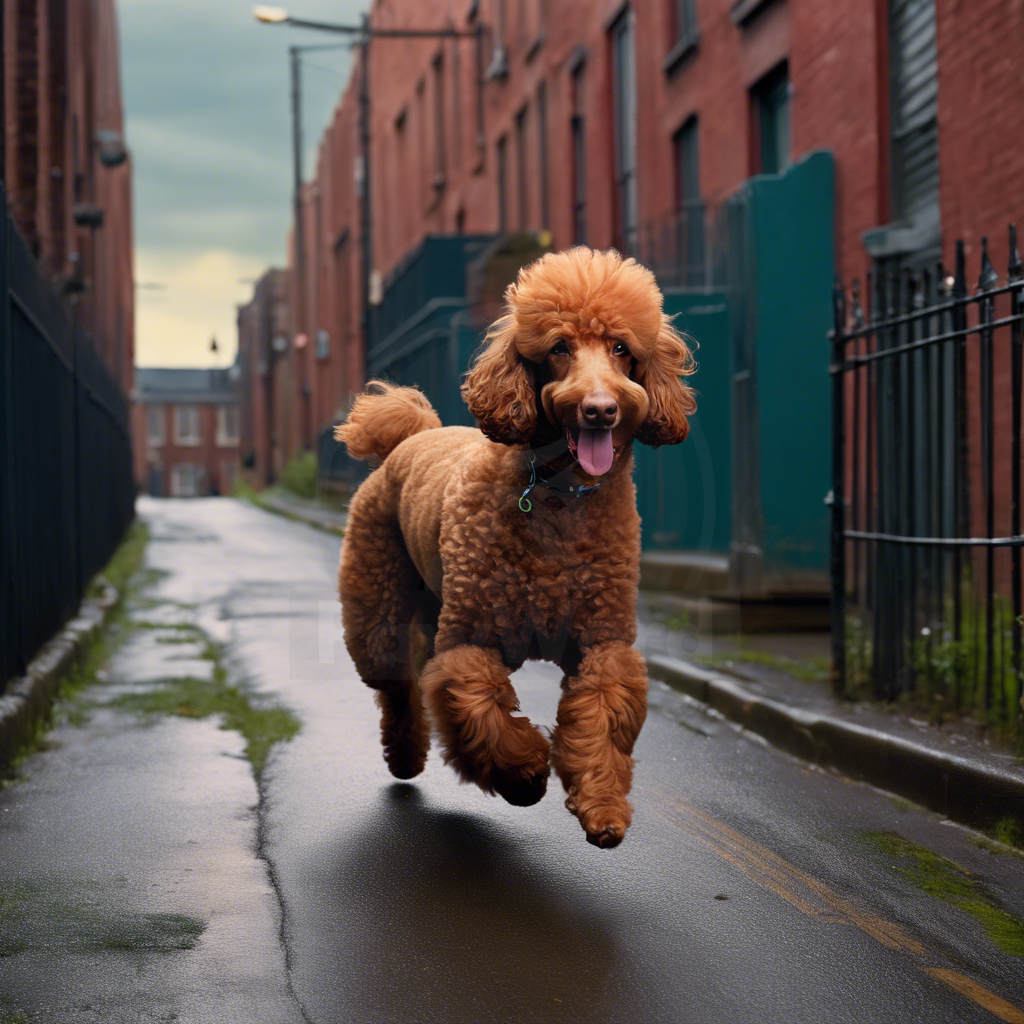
x: 382, y: 417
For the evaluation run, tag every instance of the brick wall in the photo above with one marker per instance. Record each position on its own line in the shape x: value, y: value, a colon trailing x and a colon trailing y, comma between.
x: 62, y: 88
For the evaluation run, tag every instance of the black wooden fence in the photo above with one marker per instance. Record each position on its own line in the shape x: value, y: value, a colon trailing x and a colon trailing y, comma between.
x: 926, y: 534
x: 66, y: 488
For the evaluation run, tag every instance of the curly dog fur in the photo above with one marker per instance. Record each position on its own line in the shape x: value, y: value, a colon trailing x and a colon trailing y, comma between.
x: 448, y: 584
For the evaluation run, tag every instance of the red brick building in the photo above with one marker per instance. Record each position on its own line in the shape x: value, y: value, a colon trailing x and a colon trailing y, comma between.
x: 186, y: 426
x: 66, y: 169
x: 606, y: 122
x: 267, y: 397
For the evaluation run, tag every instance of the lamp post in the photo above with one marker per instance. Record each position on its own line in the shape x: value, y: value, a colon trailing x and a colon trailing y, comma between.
x: 295, y: 54
x: 361, y: 34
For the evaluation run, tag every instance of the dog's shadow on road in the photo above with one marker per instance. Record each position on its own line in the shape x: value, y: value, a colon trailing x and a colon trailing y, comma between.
x: 450, y: 917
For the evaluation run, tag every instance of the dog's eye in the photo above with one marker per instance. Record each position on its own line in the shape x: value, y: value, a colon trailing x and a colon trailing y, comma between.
x: 560, y: 348
x: 621, y: 349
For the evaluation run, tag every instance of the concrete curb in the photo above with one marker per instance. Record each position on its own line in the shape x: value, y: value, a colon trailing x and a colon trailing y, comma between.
x: 27, y: 700
x: 299, y: 515
x: 963, y: 790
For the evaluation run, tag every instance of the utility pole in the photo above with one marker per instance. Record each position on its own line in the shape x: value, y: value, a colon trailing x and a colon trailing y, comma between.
x: 365, y: 210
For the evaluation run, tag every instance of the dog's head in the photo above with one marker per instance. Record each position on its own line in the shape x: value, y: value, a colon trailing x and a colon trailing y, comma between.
x: 584, y: 350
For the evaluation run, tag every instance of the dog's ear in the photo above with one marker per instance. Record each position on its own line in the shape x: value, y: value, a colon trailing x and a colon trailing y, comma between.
x: 499, y: 387
x: 671, y: 400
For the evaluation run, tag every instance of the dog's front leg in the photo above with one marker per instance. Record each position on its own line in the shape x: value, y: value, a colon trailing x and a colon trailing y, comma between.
x: 468, y: 691
x: 599, y: 718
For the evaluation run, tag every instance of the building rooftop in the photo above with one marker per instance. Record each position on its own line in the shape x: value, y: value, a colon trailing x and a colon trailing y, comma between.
x: 185, y: 384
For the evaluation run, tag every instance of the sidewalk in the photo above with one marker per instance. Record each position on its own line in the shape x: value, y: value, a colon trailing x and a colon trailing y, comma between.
x: 951, y: 768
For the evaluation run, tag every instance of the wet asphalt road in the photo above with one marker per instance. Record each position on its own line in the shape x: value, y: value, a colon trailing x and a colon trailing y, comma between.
x: 748, y: 889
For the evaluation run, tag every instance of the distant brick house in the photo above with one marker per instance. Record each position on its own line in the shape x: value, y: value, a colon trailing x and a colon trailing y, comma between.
x: 186, y: 429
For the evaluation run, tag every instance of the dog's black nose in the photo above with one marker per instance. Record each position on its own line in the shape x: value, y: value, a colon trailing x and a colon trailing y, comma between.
x: 599, y: 410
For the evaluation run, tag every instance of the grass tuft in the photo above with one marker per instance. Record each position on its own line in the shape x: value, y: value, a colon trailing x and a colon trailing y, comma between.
x: 947, y: 881
x: 259, y: 724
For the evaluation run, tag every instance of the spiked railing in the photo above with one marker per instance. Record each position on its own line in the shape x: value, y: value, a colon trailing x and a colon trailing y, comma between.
x: 926, y: 520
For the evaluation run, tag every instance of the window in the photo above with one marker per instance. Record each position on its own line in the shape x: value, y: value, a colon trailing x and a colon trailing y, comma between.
x: 913, y: 112
x: 421, y: 132
x: 227, y: 425
x: 502, y: 177
x: 685, y: 12
x: 323, y: 344
x: 523, y: 205
x: 771, y: 121
x: 624, y: 131
x: 689, y: 234
x: 343, y: 286
x: 186, y: 425
x: 186, y: 480
x: 579, y: 157
x: 498, y: 67
x: 156, y: 420
x: 439, y: 154
x: 542, y: 154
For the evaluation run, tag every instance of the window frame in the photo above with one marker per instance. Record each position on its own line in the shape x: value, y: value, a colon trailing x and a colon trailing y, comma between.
x: 764, y: 94
x: 542, y: 154
x: 195, y: 471
x: 156, y: 415
x: 181, y: 439
x: 501, y: 180
x: 522, y: 172
x: 622, y: 37
x: 227, y: 438
x: 578, y: 152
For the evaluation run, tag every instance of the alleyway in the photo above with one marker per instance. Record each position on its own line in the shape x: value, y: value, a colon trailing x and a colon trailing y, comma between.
x: 146, y: 876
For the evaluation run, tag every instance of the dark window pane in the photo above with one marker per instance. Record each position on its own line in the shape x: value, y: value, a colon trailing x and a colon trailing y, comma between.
x: 579, y: 158
x: 771, y: 100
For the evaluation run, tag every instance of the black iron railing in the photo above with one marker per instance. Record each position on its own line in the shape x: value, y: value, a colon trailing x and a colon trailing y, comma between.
x: 66, y: 488
x: 926, y: 534
x: 682, y: 248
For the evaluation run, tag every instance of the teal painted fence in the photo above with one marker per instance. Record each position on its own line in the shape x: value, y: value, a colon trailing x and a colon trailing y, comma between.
x: 684, y: 491
x: 781, y: 271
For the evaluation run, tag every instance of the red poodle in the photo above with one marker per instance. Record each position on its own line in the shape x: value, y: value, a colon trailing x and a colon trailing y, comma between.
x: 470, y: 551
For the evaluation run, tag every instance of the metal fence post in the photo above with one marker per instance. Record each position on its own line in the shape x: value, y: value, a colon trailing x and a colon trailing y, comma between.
x: 10, y: 622
x: 838, y: 490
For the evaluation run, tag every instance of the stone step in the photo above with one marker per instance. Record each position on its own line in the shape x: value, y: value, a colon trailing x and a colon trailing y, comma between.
x: 773, y: 612
x: 685, y: 572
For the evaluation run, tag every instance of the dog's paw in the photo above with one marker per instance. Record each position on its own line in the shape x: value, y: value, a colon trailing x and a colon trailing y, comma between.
x: 604, y: 823
x: 606, y: 838
x: 521, y: 788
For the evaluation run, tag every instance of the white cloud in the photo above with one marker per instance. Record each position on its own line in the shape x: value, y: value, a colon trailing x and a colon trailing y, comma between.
x: 196, y: 300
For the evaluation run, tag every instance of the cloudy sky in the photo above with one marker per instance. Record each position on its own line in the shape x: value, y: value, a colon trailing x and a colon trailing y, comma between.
x: 207, y: 105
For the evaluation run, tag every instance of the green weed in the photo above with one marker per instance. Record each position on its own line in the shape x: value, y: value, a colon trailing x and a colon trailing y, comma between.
x: 260, y: 725
x: 942, y: 878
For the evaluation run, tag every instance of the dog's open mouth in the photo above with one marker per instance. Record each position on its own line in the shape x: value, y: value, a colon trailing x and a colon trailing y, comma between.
x: 593, y: 449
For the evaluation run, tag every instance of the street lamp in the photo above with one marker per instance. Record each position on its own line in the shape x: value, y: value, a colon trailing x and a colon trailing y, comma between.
x: 271, y: 15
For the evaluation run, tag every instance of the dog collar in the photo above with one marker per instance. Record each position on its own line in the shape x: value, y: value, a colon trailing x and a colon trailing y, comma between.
x: 566, y: 489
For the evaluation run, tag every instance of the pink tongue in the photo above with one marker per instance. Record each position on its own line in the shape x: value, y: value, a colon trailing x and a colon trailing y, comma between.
x: 594, y: 451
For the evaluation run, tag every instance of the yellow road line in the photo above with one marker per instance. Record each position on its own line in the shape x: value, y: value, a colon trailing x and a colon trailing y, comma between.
x: 802, y: 891
x: 978, y: 993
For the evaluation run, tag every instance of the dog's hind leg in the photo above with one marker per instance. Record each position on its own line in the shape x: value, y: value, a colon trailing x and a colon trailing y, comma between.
x: 599, y: 717
x: 380, y: 592
x: 469, y: 694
